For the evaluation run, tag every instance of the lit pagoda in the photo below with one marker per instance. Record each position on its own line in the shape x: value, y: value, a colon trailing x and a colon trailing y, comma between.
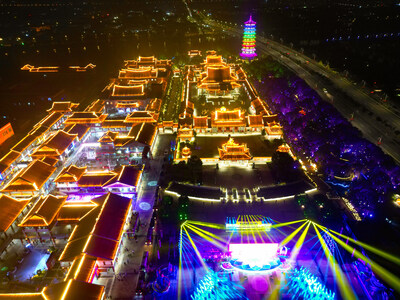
x: 234, y: 151
x: 186, y: 152
x: 249, y: 40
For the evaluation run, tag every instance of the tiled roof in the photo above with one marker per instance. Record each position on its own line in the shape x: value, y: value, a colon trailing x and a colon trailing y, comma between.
x: 95, y: 179
x: 200, y: 122
x: 128, y: 91
x: 32, y: 178
x: 55, y: 145
x: 99, y: 232
x: 143, y: 133
x: 128, y: 175
x: 71, y: 173
x: 7, y: 160
x: 44, y: 211
x: 10, y: 210
x: 255, y: 121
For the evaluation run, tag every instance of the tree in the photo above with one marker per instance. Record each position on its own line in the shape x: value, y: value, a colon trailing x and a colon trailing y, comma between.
x: 195, y: 166
x: 283, y: 166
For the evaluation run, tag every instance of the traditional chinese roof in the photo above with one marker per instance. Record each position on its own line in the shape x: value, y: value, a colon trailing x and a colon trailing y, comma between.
x: 55, y: 145
x: 214, y: 60
x: 269, y: 119
x: 79, y: 129
x: 128, y: 90
x: 81, y: 268
x: 99, y: 232
x: 138, y: 81
x: 108, y: 137
x: 234, y: 151
x: 10, y: 210
x: 255, y: 120
x: 95, y: 179
x: 192, y: 53
x: 260, y: 106
x: 154, y: 105
x: 141, y: 116
x: 44, y: 211
x: 139, y: 73
x: 96, y: 106
x: 128, y: 104
x: 73, y: 211
x: 226, y: 118
x: 86, y: 117
x: 65, y: 106
x: 143, y: 133
x: 52, y: 161
x: 71, y: 173
x: 146, y: 59
x: 82, y: 69
x: 200, y: 122
x: 185, y: 132
x: 218, y: 78
x: 283, y: 148
x: 30, y: 179
x: 123, y: 141
x: 186, y: 109
x: 186, y: 152
x: 50, y: 119
x: 7, y: 160
x: 114, y: 123
x: 67, y: 290
x: 73, y: 290
x: 185, y: 122
x: 128, y: 176
x: 24, y: 143
x: 39, y: 130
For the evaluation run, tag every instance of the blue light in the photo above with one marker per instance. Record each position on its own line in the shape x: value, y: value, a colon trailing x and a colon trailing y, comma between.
x: 304, y: 285
x: 216, y: 286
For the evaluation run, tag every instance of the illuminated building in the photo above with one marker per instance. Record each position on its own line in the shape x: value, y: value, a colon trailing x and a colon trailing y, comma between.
x: 218, y: 78
x: 223, y: 120
x: 48, y: 69
x: 82, y: 69
x: 200, y: 124
x: 41, y: 218
x: 186, y: 152
x: 7, y: 164
x: 99, y: 234
x: 63, y: 107
x: 88, y: 118
x: 11, y: 213
x: 128, y: 91
x: 30, y: 181
x: 58, y: 146
x: 193, y: 53
x: 142, y: 117
x: 255, y: 122
x: 249, y: 40
x: 232, y: 151
x: 154, y: 105
x: 73, y: 179
x: 274, y: 129
x: 185, y: 134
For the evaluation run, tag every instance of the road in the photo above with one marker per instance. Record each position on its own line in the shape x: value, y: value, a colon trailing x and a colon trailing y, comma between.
x: 123, y: 285
x: 302, y: 65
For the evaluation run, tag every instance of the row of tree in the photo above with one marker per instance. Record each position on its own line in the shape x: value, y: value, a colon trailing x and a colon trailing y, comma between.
x: 317, y: 131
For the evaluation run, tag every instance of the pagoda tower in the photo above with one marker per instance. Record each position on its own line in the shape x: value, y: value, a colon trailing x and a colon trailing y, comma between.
x: 249, y: 40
